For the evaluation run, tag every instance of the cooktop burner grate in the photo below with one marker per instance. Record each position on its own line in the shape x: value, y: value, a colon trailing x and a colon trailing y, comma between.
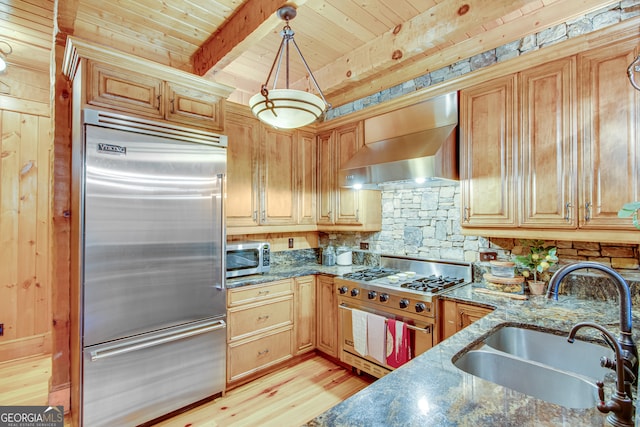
x: 370, y: 274
x: 432, y: 283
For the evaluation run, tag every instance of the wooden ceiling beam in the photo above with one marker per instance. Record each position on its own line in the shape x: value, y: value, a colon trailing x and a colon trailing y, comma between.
x: 249, y: 24
x: 65, y: 12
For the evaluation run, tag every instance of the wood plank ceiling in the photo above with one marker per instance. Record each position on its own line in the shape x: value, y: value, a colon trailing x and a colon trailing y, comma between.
x: 354, y: 47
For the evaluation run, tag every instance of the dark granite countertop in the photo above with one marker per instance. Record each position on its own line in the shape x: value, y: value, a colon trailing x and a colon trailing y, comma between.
x: 431, y: 391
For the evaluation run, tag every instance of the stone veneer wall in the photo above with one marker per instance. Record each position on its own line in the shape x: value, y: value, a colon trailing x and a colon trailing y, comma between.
x: 425, y: 222
x: 602, y: 18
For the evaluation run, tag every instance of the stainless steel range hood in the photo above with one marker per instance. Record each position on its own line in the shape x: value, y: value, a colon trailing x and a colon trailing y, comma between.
x: 418, y: 142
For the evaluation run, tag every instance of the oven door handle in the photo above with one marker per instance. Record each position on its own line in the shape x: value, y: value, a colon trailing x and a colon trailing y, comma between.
x: 425, y: 330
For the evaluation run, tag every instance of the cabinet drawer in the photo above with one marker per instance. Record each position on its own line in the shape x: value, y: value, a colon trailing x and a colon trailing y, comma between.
x: 253, y: 293
x: 250, y: 356
x: 255, y: 318
x: 113, y: 87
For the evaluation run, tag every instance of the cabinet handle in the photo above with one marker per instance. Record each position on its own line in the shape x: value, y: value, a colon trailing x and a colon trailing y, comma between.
x: 263, y: 352
x: 261, y: 318
x: 587, y: 212
x: 357, y: 214
x: 157, y: 106
x: 465, y: 214
x: 567, y: 212
x: 255, y: 216
x: 264, y: 216
x: 264, y: 292
x: 173, y: 110
x: 329, y: 215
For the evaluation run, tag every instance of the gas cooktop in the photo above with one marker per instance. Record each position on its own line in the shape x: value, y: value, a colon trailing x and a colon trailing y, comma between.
x: 413, y: 275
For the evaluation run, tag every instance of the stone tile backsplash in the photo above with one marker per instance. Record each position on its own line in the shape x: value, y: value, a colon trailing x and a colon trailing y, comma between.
x: 425, y: 222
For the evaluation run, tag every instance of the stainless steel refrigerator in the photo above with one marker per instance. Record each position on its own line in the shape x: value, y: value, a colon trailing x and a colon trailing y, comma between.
x: 153, y: 317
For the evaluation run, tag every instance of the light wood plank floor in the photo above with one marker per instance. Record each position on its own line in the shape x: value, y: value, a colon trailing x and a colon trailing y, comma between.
x: 288, y: 397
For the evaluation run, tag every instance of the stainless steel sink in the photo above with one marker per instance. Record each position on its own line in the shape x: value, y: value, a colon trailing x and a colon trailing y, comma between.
x: 539, y: 364
x: 581, y: 357
x: 533, y: 379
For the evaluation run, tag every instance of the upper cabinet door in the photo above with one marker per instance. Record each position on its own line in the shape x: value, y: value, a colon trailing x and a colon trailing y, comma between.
x: 348, y: 141
x: 129, y: 92
x: 242, y: 169
x: 306, y: 177
x: 548, y: 146
x: 278, y: 186
x: 488, y: 129
x: 610, y: 173
x: 325, y: 177
x: 194, y: 106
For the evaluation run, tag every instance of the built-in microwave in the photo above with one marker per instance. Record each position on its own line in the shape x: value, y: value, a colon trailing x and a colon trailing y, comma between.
x: 248, y: 257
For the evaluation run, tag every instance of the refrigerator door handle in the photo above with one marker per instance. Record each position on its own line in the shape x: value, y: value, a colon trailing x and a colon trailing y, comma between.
x: 221, y: 279
x: 186, y: 332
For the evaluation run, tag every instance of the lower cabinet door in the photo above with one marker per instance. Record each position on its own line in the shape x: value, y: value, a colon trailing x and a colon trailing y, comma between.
x: 249, y: 356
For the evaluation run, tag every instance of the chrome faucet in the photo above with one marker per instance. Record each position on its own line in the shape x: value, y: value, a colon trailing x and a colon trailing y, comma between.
x: 628, y: 347
x: 620, y: 407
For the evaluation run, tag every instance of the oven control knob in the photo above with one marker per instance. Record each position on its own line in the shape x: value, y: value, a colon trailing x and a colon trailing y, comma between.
x: 404, y: 303
x: 420, y: 307
x: 384, y: 297
x: 372, y: 295
x: 343, y: 289
x: 355, y: 292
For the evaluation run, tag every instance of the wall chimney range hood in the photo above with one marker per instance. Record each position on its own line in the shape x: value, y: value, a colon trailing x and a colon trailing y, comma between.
x: 416, y: 143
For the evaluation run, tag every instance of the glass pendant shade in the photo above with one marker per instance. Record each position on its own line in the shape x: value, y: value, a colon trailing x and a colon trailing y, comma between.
x: 287, y: 108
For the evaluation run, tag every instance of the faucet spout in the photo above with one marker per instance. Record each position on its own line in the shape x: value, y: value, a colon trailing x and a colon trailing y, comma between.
x: 629, y: 349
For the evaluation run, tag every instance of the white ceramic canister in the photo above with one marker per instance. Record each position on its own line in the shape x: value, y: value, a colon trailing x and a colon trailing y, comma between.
x: 343, y: 255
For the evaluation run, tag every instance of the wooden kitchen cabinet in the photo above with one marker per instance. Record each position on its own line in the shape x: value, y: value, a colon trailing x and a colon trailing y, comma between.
x: 457, y: 316
x: 270, y: 176
x: 576, y: 161
x: 260, y: 322
x: 609, y: 120
x: 341, y: 208
x: 131, y: 90
x: 488, y: 129
x: 547, y: 193
x: 326, y: 316
x: 304, y: 314
x: 243, y: 132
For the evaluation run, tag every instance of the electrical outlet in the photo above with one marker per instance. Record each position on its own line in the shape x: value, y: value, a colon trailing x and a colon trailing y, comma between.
x: 364, y: 246
x: 1, y: 329
x: 290, y: 242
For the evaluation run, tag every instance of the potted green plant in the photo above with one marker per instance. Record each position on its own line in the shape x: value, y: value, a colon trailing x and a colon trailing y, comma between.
x: 630, y: 210
x: 536, y: 263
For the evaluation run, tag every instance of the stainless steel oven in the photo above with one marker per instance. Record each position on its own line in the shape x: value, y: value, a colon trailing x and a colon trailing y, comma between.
x: 402, y: 292
x: 419, y: 329
x: 248, y: 257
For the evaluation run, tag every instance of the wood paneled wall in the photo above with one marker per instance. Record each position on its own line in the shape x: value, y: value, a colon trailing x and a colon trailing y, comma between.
x: 25, y: 179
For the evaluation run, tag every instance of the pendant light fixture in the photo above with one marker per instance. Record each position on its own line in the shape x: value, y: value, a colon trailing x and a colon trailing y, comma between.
x: 3, y: 55
x: 634, y: 68
x: 287, y: 108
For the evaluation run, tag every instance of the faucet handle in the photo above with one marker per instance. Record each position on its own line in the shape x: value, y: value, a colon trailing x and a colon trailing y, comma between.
x: 600, y: 385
